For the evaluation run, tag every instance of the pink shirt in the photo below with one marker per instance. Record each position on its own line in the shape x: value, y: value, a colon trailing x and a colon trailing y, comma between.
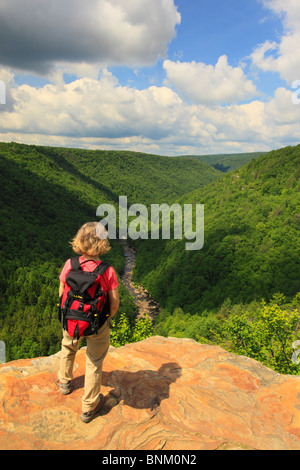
x: 109, y: 278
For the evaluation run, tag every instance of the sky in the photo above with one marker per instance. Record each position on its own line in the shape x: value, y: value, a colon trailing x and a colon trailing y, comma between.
x: 167, y: 77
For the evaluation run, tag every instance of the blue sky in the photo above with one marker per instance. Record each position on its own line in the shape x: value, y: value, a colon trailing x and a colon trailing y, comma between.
x: 209, y: 29
x: 161, y: 76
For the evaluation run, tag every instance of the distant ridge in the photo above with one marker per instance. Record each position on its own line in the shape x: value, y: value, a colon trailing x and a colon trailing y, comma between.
x: 226, y: 162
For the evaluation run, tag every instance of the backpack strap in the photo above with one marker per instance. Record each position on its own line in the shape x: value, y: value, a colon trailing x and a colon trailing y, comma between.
x: 101, y: 268
x: 75, y: 265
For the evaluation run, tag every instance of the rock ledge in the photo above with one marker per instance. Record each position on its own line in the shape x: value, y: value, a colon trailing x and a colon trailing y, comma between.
x: 160, y: 393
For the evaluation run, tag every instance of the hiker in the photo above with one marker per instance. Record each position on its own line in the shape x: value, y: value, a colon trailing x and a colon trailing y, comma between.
x: 88, y: 244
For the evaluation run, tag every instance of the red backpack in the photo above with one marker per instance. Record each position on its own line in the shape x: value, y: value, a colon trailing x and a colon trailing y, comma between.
x: 84, y: 306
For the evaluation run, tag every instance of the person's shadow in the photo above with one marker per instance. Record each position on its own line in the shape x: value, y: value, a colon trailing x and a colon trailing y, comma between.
x: 144, y: 389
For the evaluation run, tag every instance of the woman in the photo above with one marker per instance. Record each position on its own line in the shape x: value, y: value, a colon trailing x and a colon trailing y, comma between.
x: 89, y: 243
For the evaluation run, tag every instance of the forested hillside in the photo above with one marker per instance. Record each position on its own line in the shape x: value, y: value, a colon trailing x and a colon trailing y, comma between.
x: 251, y: 248
x: 143, y: 178
x: 46, y: 194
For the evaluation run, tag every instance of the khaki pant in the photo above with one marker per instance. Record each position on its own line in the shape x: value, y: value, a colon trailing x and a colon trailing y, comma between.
x: 97, y: 347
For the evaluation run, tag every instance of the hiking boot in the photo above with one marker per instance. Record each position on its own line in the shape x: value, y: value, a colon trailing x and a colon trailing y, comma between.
x: 64, y: 388
x: 88, y: 416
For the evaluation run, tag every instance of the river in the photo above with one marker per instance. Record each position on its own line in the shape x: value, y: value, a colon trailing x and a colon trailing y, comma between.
x: 145, y: 304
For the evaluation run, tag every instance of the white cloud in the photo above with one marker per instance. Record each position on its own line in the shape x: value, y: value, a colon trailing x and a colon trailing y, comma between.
x: 289, y: 11
x: 103, y: 114
x: 210, y: 84
x: 35, y: 35
x: 91, y: 108
x: 283, y: 56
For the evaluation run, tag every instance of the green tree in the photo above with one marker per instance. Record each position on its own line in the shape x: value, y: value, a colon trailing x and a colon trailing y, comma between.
x: 122, y: 333
x: 268, y: 337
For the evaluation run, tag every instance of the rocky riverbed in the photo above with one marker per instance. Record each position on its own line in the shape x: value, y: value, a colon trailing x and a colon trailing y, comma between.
x: 145, y: 304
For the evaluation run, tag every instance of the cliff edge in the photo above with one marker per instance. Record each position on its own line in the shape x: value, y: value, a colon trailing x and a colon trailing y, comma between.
x: 160, y: 393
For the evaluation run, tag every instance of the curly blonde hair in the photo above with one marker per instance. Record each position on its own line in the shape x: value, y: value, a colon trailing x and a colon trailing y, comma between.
x: 91, y: 239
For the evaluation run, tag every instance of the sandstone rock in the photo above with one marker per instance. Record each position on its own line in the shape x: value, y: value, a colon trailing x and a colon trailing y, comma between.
x: 160, y: 393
